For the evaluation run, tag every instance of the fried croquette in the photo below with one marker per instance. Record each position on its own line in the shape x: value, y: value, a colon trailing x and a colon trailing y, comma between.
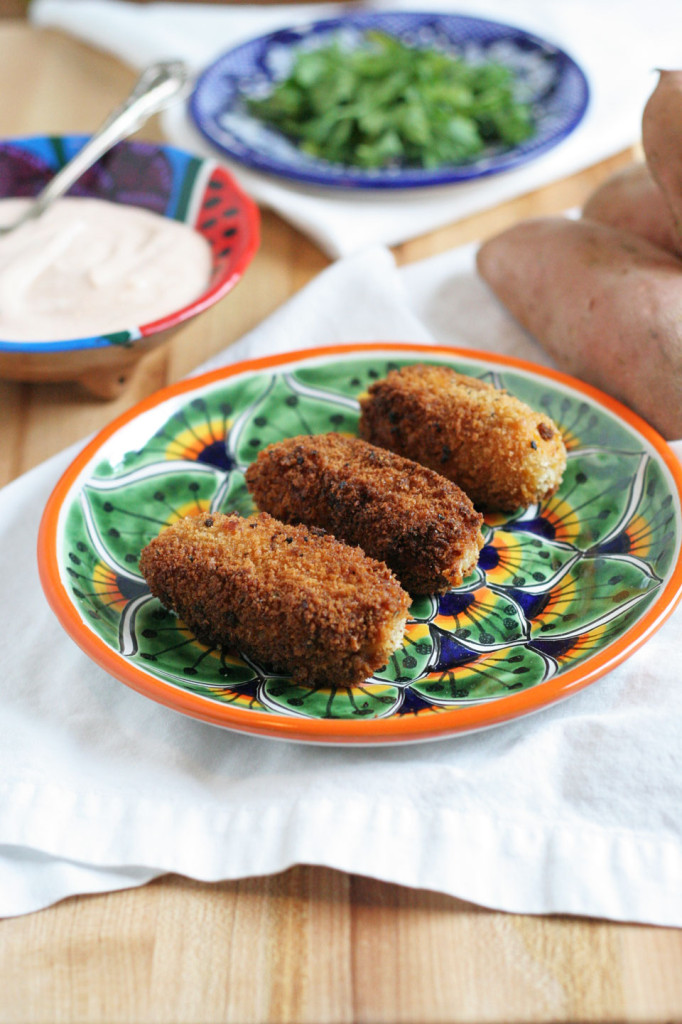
x: 421, y: 525
x: 295, y: 600
x: 500, y: 452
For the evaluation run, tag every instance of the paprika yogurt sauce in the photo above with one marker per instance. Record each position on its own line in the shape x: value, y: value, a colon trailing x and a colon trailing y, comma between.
x: 88, y: 267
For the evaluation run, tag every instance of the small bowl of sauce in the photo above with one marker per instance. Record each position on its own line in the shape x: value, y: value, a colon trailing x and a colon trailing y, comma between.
x: 149, y: 237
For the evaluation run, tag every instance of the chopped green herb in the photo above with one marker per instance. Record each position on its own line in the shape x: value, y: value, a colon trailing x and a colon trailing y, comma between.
x: 388, y: 104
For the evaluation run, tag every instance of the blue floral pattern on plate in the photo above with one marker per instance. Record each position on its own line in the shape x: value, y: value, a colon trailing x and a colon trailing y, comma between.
x: 548, y: 78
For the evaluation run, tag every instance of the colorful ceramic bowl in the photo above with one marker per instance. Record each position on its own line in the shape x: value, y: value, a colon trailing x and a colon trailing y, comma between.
x: 564, y: 590
x: 159, y: 178
x: 549, y: 79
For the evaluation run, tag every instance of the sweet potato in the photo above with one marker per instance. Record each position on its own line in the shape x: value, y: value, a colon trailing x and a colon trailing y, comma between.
x: 605, y: 303
x: 632, y: 201
x: 661, y: 122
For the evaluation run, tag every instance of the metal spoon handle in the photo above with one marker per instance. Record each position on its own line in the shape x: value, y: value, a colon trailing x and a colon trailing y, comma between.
x: 158, y: 85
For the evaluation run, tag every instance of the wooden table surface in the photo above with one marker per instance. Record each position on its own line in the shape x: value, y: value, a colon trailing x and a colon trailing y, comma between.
x: 310, y: 945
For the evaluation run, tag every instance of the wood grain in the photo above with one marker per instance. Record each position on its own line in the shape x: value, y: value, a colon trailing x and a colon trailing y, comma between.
x: 311, y: 945
x: 314, y: 946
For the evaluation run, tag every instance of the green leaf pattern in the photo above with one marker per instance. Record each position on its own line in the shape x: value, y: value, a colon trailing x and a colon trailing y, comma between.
x: 554, y: 582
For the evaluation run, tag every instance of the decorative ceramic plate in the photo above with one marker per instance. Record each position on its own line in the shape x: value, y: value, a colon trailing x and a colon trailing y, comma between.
x: 548, y: 79
x: 563, y: 592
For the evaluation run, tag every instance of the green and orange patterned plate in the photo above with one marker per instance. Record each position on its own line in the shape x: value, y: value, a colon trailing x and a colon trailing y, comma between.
x: 563, y: 592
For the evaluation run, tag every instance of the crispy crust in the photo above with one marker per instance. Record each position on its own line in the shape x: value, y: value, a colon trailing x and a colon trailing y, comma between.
x: 499, y: 450
x: 296, y: 600
x: 417, y: 522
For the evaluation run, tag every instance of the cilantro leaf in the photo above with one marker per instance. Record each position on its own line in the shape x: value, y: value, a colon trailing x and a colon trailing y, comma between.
x: 384, y: 103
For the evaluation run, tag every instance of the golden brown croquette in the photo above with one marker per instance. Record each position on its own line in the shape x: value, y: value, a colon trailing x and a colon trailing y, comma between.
x: 298, y: 601
x: 501, y: 452
x: 421, y: 525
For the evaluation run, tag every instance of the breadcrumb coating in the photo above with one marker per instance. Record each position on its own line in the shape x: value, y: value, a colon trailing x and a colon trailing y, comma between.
x: 421, y: 525
x: 499, y: 450
x: 295, y: 600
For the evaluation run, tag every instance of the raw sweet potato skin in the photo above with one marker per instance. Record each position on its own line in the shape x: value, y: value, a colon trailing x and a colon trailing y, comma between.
x: 606, y: 304
x: 631, y: 200
x: 662, y: 141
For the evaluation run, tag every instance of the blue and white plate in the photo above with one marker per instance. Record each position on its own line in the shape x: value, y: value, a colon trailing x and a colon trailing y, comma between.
x: 548, y: 79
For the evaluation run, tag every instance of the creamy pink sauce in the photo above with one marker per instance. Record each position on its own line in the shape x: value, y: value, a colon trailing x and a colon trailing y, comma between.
x: 88, y: 267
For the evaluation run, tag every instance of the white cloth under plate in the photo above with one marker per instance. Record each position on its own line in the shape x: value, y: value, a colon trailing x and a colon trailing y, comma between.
x: 617, y: 43
x: 573, y: 810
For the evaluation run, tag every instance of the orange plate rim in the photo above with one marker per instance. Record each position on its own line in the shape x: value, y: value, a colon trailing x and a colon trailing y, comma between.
x: 445, y: 724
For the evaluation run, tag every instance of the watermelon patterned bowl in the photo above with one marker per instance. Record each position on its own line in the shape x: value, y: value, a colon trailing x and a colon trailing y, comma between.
x: 161, y: 179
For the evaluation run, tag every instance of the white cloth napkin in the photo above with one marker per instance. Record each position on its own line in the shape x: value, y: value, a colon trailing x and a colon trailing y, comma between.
x: 572, y: 810
x: 617, y: 44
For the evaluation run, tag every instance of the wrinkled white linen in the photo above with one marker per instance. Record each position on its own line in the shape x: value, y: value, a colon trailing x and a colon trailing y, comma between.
x: 607, y: 38
x: 572, y: 810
